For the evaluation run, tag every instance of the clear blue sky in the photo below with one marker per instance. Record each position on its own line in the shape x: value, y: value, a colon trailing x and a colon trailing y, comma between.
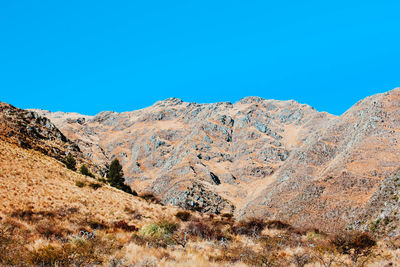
x: 93, y: 55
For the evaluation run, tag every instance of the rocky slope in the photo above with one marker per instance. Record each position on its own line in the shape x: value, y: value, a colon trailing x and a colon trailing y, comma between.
x: 256, y: 157
x: 28, y: 129
x: 330, y: 179
x: 210, y: 157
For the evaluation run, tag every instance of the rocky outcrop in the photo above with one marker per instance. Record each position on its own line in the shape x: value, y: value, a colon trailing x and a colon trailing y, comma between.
x: 29, y: 130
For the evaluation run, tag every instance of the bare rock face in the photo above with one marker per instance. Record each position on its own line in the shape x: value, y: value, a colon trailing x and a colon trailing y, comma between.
x: 209, y: 157
x: 256, y: 157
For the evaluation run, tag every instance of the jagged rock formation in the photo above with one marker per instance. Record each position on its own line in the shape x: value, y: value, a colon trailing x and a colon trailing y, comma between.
x: 266, y: 158
x: 28, y: 129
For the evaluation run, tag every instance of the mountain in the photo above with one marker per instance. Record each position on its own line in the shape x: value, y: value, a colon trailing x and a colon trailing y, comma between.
x: 306, y: 176
x: 255, y: 158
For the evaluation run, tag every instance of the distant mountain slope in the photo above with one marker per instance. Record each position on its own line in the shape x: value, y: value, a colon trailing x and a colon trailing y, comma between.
x: 256, y: 157
x: 203, y: 156
x: 330, y: 179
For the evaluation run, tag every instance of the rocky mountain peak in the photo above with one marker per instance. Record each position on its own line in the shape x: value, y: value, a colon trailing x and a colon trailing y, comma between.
x: 172, y: 101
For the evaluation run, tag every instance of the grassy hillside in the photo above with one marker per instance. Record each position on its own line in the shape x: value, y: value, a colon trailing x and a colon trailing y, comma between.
x: 51, y: 216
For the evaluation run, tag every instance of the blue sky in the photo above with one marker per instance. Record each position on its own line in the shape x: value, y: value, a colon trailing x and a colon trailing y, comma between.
x: 88, y: 56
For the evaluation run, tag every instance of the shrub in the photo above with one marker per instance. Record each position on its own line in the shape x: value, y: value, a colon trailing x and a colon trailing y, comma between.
x: 95, y: 186
x: 276, y: 224
x: 70, y: 162
x: 125, y: 226
x: 149, y: 197
x: 96, y: 225
x: 80, y: 183
x: 158, y: 234
x: 204, y: 231
x: 85, y: 171
x: 355, y: 244
x: 251, y: 227
x: 32, y: 216
x: 347, y: 241
x: 183, y: 215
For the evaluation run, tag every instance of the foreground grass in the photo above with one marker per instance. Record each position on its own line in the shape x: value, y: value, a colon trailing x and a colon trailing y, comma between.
x: 69, y: 238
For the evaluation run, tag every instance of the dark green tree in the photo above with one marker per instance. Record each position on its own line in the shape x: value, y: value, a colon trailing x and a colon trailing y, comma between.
x: 115, y: 177
x: 85, y: 171
x: 70, y: 162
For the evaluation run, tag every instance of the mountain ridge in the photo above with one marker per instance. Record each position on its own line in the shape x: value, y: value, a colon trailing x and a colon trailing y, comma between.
x: 224, y: 157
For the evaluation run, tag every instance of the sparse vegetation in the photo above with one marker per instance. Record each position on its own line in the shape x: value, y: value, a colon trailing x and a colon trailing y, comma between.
x: 251, y: 227
x: 85, y: 171
x: 80, y: 183
x: 150, y: 197
x: 69, y: 226
x: 95, y: 185
x: 70, y: 162
x: 115, y: 177
x: 183, y: 215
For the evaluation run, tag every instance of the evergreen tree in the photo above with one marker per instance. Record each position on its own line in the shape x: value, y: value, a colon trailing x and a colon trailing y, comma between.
x: 115, y: 177
x: 70, y: 162
x: 85, y: 171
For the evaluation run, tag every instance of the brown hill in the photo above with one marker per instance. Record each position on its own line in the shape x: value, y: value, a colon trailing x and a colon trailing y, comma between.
x: 256, y: 157
x: 28, y: 129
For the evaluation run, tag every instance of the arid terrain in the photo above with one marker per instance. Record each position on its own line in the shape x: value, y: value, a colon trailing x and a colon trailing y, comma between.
x: 253, y: 183
x: 255, y: 157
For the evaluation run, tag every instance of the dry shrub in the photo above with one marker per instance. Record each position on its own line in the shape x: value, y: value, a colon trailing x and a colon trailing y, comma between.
x: 280, y: 241
x: 252, y: 227
x: 97, y: 225
x: 151, y: 198
x: 204, y: 231
x: 125, y: 226
x: 276, y: 224
x: 50, y: 229
x: 353, y: 242
x: 95, y: 186
x: 357, y: 245
x: 183, y: 215
x: 32, y: 216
